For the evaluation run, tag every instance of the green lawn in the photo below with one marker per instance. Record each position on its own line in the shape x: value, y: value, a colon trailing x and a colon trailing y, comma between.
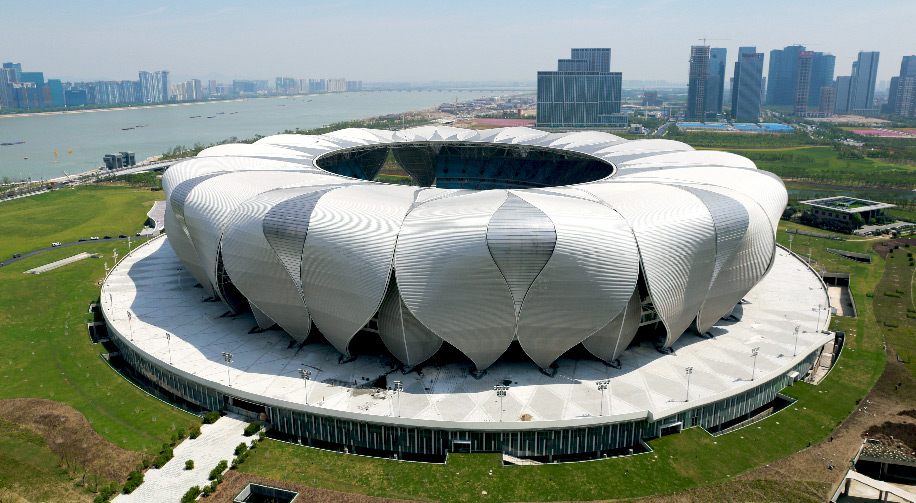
x: 70, y: 214
x: 46, y: 351
x: 895, y: 308
x: 678, y: 462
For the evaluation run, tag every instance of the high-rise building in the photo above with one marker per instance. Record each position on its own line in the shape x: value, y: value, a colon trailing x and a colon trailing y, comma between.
x: 747, y: 85
x: 827, y: 100
x: 596, y: 59
x: 842, y: 86
x: 783, y: 75
x: 822, y: 67
x: 902, y: 95
x: 715, y: 81
x: 862, y: 87
x: 56, y: 92
x: 582, y: 92
x: 696, y: 83
x: 154, y: 87
x: 802, y: 83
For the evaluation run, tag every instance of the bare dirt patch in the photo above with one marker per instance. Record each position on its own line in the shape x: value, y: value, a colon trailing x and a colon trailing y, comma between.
x: 82, y: 451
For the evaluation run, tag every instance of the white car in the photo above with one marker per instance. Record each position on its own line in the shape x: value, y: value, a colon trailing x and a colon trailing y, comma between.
x: 55, y: 244
x: 94, y: 238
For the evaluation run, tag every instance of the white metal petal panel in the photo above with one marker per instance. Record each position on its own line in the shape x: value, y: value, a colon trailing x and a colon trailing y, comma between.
x: 587, y: 281
x: 348, y: 253
x: 448, y: 279
x: 622, y: 152
x: 255, y: 269
x: 677, y: 244
x: 407, y: 339
x: 611, y: 340
x: 210, y: 205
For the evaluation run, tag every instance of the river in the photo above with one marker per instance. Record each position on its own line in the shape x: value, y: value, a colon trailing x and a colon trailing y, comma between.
x: 76, y: 142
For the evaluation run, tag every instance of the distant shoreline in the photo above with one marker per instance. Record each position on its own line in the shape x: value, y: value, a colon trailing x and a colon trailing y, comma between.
x: 115, y: 109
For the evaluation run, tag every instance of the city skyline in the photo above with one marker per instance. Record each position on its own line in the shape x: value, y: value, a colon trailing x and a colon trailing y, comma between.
x: 647, y: 47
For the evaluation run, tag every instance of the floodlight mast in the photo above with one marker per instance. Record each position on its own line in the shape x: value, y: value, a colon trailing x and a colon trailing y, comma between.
x: 754, y: 352
x: 398, y: 387
x: 501, y: 391
x: 227, y: 357
x: 602, y: 387
x: 689, y: 372
x: 306, y: 376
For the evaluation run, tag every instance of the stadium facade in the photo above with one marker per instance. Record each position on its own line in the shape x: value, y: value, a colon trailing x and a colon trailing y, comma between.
x: 515, y: 236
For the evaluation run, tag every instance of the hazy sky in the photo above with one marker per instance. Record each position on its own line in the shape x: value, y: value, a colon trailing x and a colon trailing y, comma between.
x: 428, y: 40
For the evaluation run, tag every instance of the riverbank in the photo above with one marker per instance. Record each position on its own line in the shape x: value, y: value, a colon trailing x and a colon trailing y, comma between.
x: 115, y: 108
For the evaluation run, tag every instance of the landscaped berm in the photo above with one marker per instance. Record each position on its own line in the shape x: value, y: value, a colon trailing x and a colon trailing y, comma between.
x: 64, y: 407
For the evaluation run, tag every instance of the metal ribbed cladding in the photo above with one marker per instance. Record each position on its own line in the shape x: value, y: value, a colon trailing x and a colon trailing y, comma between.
x: 348, y: 253
x: 611, y: 340
x: 747, y: 266
x: 264, y: 322
x: 407, y: 339
x: 587, y: 281
x: 177, y: 228
x: 212, y: 202
x: 521, y: 239
x: 731, y: 222
x: 448, y: 279
x: 677, y: 245
x: 764, y: 187
x: 622, y: 152
x: 256, y: 270
x: 286, y: 225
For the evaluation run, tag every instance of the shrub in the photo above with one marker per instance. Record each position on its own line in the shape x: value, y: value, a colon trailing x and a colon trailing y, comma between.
x: 241, y: 449
x: 133, y: 481
x: 106, y: 493
x: 208, y: 489
x: 163, y: 457
x: 217, y: 472
x: 189, y: 464
x: 211, y: 417
x: 252, y: 428
x: 191, y: 495
x: 195, y: 432
x: 181, y: 433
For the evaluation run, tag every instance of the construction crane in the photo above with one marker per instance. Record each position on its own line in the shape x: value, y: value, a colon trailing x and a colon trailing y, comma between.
x: 704, y: 39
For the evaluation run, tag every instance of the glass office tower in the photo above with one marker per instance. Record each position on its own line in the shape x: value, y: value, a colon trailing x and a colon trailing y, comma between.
x: 581, y: 93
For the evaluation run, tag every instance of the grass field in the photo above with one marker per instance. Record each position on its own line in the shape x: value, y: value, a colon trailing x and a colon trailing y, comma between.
x: 46, y: 349
x: 70, y: 214
x: 692, y: 458
x: 896, y: 306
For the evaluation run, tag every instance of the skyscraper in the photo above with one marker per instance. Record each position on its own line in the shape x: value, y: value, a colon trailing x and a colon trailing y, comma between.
x: 902, y: 96
x: 154, y: 87
x: 715, y: 81
x: 822, y: 67
x: 747, y: 83
x: 862, y: 87
x: 783, y: 75
x: 803, y: 83
x: 582, y: 92
x: 842, y: 86
x: 696, y: 83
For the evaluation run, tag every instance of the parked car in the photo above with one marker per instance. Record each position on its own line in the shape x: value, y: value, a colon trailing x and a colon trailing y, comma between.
x: 83, y: 239
x: 17, y: 255
x: 93, y: 238
x: 106, y: 237
x: 122, y: 236
x: 55, y: 244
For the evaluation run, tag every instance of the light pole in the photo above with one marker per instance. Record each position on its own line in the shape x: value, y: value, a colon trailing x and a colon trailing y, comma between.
x: 501, y: 390
x: 179, y: 278
x: 817, y: 328
x: 790, y: 242
x: 168, y: 343
x: 602, y: 386
x: 227, y: 357
x: 795, y: 349
x: 689, y: 372
x: 306, y: 375
x: 130, y: 324
x: 754, y: 352
x: 398, y: 387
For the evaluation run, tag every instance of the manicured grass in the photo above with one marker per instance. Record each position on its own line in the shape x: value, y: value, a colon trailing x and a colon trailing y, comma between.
x: 70, y: 214
x: 46, y: 349
x: 690, y: 459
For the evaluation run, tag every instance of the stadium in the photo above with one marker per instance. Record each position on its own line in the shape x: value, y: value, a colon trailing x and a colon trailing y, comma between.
x: 547, y: 295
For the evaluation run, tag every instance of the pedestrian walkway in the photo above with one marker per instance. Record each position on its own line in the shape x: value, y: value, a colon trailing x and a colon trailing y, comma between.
x: 168, y: 484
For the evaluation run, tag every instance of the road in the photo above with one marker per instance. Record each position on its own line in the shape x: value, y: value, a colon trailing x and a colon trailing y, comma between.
x: 663, y: 129
x: 39, y: 251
